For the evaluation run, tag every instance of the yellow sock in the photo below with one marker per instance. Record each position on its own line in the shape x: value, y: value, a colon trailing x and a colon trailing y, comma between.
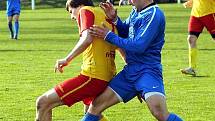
x: 103, y: 118
x: 192, y: 57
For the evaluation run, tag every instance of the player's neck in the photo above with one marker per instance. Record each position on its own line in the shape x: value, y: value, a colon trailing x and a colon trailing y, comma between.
x: 144, y: 4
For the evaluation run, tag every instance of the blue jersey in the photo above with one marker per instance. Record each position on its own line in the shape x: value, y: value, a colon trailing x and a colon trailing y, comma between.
x: 13, y: 7
x: 142, y: 38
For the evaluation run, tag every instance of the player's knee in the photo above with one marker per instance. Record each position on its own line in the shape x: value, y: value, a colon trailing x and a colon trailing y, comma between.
x: 97, y: 107
x: 94, y: 109
x: 159, y: 112
x: 192, y: 40
x: 16, y: 20
x: 42, y: 102
x: 159, y: 115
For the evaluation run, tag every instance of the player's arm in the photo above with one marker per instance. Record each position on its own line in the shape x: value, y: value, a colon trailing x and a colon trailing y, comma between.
x: 122, y: 25
x: 84, y: 41
x: 188, y: 4
x: 144, y: 36
x: 86, y: 21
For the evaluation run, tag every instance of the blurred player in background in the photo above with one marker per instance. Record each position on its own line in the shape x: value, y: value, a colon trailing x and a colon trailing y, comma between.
x: 13, y: 12
x: 97, y: 69
x: 202, y: 15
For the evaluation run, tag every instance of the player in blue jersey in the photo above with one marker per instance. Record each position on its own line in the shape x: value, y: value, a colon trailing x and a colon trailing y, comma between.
x: 13, y: 11
x: 141, y: 36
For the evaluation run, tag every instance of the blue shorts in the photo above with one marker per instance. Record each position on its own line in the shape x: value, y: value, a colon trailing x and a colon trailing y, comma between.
x: 128, y: 89
x: 13, y: 11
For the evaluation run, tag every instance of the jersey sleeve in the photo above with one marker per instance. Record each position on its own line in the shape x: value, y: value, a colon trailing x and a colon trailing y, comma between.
x: 86, y: 20
x: 146, y: 34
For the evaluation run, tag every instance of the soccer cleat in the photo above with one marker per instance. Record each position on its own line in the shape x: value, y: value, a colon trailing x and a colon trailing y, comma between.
x: 16, y: 37
x: 189, y: 71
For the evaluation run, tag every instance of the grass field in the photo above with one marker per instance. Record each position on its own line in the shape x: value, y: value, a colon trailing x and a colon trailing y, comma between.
x: 26, y: 68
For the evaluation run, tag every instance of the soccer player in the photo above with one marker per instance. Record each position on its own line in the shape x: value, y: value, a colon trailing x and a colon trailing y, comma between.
x: 202, y: 15
x: 98, y: 63
x: 13, y: 11
x: 141, y: 36
x: 122, y: 2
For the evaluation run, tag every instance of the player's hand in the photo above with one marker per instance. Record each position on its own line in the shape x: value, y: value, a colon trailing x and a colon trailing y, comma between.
x: 98, y: 31
x: 60, y: 64
x: 188, y: 4
x: 109, y: 10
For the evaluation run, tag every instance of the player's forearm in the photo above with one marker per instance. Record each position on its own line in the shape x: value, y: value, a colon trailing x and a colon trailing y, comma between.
x: 82, y: 44
x: 126, y: 44
x: 138, y: 44
x: 122, y: 26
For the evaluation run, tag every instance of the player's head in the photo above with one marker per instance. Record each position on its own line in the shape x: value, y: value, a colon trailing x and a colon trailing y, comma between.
x: 140, y: 3
x: 73, y: 6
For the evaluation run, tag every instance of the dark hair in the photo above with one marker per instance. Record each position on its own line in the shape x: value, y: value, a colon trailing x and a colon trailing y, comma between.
x: 77, y: 3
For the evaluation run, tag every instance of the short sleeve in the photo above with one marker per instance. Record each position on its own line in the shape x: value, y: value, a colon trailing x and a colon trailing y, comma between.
x: 86, y: 20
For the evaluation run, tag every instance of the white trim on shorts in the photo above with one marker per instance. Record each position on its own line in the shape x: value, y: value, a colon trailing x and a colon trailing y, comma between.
x: 149, y: 94
x: 118, y: 96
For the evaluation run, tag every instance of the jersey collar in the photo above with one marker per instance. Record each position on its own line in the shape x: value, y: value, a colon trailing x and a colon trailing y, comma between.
x: 147, y: 7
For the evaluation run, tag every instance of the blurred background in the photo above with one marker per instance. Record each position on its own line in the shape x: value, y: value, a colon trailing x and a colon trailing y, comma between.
x: 26, y: 4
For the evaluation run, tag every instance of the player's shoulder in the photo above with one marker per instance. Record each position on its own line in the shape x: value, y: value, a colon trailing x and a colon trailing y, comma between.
x: 97, y: 11
x: 88, y: 8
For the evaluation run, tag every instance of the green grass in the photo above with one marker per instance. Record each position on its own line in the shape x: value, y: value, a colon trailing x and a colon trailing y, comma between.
x: 26, y: 68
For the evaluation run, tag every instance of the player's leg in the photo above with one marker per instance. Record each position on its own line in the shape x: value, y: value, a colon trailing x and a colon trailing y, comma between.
x: 195, y: 28
x: 66, y: 93
x: 152, y: 89
x: 118, y: 90
x: 16, y: 25
x: 45, y: 104
x: 10, y: 18
x: 10, y: 26
x: 157, y: 105
x: 87, y: 103
x: 209, y: 22
x: 122, y: 2
x: 102, y: 102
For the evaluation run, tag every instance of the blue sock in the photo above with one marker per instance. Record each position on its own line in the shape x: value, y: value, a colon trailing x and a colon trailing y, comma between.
x: 174, y: 117
x: 10, y: 26
x: 16, y: 26
x: 90, y: 117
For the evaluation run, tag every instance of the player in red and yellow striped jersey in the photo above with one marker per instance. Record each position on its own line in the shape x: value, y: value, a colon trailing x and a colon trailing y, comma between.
x: 98, y: 63
x: 202, y: 15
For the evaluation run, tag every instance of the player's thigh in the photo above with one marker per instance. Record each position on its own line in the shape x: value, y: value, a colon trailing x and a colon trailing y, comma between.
x: 209, y: 23
x: 107, y: 99
x: 48, y: 98
x: 150, y: 83
x: 122, y: 87
x: 9, y: 18
x: 195, y: 26
x: 80, y: 88
x: 16, y: 17
x: 157, y: 104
